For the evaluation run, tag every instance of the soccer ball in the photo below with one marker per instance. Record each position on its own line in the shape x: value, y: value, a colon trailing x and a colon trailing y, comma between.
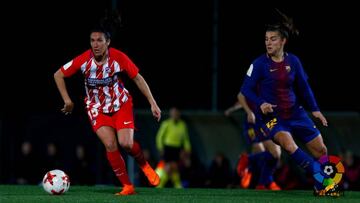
x: 56, y: 182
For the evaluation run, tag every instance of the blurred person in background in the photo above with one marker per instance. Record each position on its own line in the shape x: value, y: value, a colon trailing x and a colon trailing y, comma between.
x: 172, y: 137
x: 352, y: 170
x: 260, y: 163
x: 220, y: 173
x: 27, y: 158
x: 52, y: 159
x: 81, y: 172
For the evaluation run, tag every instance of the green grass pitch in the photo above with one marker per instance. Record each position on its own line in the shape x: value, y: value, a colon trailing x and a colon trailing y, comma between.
x: 17, y: 193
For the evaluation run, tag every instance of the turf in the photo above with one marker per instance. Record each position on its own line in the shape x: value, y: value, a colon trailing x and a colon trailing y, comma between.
x: 17, y: 193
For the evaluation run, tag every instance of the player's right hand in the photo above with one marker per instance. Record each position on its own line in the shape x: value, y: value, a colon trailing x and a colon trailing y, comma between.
x: 267, y: 108
x: 68, y: 107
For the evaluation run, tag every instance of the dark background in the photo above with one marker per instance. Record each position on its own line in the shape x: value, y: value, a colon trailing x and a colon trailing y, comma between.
x: 172, y: 44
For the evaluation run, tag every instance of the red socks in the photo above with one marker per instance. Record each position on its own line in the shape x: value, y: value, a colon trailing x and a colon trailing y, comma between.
x: 118, y: 165
x: 137, y: 153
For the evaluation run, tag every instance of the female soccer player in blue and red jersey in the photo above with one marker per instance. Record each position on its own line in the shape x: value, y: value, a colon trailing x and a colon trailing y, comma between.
x: 109, y: 104
x: 274, y: 82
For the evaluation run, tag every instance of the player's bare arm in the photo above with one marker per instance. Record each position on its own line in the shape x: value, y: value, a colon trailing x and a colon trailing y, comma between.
x: 60, y: 83
x: 144, y: 88
x: 249, y: 112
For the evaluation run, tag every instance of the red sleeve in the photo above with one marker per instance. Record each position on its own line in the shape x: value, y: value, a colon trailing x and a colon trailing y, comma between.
x: 74, y: 65
x: 125, y: 63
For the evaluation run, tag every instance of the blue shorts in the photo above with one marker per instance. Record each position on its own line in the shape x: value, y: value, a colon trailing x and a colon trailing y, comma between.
x: 253, y: 133
x: 299, y: 125
x: 249, y: 133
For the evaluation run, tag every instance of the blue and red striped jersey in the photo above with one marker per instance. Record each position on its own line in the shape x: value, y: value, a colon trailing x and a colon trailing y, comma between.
x: 278, y: 83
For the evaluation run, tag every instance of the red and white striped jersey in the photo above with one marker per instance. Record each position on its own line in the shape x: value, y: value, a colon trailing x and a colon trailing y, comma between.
x: 105, y: 92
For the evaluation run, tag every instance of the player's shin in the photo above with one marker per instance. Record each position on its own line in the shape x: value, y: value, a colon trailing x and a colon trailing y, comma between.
x: 137, y: 154
x: 303, y: 160
x: 118, y: 165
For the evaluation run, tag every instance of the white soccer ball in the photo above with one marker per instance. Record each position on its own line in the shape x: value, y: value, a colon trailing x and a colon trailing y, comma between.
x: 56, y: 182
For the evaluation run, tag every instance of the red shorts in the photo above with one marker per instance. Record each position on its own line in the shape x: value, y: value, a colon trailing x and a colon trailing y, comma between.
x: 123, y: 118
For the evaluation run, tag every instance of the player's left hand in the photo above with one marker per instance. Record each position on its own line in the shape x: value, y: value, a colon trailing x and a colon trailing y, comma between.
x: 321, y: 117
x: 68, y: 107
x: 227, y: 112
x: 156, y: 111
x: 251, y: 117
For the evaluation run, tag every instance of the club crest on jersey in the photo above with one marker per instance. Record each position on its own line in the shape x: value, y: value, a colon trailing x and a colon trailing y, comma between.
x: 288, y: 68
x: 107, y: 70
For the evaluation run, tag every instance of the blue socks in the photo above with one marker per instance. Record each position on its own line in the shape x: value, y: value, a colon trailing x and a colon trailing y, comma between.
x: 264, y: 164
x: 303, y: 160
x: 267, y: 169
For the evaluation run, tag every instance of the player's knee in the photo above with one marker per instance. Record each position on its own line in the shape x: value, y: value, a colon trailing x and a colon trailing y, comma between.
x: 289, y: 145
x: 273, y: 148
x: 276, y: 152
x: 110, y: 146
x: 322, y: 150
x: 290, y: 148
x: 127, y: 146
x: 286, y: 142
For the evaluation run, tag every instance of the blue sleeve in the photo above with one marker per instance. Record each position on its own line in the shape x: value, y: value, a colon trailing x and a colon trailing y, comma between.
x: 304, y: 87
x: 249, y: 86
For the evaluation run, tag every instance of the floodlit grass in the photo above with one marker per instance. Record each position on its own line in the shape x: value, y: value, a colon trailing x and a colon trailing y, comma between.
x: 17, y: 193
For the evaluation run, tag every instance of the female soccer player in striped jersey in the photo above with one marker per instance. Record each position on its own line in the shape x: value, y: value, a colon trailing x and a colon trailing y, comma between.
x: 108, y: 103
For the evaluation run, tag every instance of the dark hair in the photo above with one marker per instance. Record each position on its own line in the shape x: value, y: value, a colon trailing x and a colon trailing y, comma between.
x: 108, y: 24
x: 284, y: 27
